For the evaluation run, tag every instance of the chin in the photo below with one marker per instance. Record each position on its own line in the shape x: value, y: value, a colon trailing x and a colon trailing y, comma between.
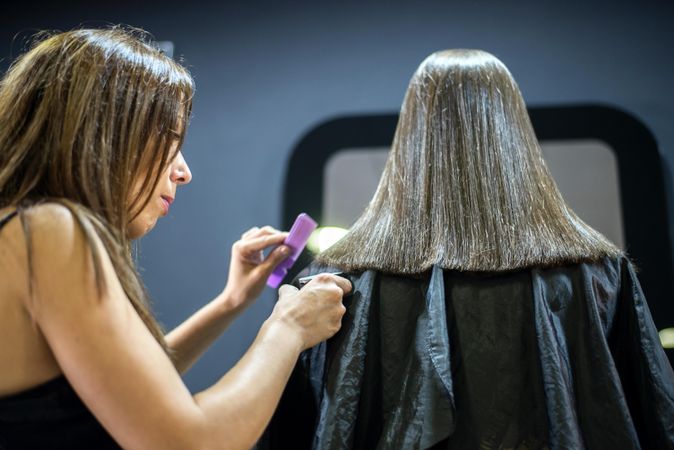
x: 137, y: 230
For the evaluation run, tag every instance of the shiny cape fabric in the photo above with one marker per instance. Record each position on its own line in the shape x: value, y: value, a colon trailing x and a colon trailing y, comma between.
x: 560, y: 358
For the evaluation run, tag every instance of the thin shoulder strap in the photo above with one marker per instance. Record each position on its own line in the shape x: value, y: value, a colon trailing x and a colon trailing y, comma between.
x: 7, y: 218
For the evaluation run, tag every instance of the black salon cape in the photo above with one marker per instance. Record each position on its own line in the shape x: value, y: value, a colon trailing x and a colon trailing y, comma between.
x: 559, y: 358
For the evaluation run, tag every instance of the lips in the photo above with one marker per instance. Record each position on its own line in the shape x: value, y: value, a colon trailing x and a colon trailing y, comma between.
x: 166, y: 203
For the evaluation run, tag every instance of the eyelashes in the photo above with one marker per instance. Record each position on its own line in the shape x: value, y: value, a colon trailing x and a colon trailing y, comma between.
x: 175, y: 135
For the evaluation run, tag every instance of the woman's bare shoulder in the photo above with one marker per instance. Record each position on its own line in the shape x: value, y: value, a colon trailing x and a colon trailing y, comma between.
x: 52, y: 252
x: 53, y: 219
x: 50, y: 226
x: 50, y: 218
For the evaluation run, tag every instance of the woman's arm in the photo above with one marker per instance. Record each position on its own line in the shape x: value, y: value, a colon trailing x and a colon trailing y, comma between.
x: 247, y: 276
x: 190, y: 339
x: 122, y: 374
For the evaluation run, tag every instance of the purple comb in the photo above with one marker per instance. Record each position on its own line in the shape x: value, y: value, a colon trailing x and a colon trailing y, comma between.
x: 296, y: 240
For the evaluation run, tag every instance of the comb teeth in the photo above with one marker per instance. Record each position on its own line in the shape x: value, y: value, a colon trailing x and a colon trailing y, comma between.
x: 299, y: 234
x: 296, y: 240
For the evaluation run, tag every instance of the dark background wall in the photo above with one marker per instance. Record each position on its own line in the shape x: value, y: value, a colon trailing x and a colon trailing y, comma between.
x: 265, y: 73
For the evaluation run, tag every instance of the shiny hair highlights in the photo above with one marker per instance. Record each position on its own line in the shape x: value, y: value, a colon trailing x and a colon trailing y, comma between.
x: 85, y: 115
x: 465, y: 185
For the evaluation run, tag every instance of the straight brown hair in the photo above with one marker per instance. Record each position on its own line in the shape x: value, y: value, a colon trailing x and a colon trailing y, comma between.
x: 465, y: 185
x: 84, y: 115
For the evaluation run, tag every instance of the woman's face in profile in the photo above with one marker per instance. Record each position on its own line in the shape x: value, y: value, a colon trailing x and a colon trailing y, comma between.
x: 176, y: 173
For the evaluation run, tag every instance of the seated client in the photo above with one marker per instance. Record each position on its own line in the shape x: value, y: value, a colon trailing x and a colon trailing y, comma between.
x: 486, y: 314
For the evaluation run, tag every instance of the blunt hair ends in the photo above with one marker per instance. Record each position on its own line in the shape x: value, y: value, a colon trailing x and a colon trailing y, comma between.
x: 465, y: 185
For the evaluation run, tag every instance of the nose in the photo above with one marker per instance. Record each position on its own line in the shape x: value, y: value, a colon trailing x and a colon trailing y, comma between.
x: 180, y: 171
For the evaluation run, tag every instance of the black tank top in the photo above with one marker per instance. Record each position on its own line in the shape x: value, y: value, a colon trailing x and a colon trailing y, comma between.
x: 49, y: 416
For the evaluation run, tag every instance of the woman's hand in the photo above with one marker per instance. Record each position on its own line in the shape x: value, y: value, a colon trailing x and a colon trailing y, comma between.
x: 314, y: 313
x: 248, y: 269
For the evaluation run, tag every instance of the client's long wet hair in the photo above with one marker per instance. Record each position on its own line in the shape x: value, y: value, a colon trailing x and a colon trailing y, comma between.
x: 465, y: 185
x: 85, y: 115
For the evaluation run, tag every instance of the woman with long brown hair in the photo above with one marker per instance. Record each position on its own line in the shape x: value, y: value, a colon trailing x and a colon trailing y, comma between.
x: 91, y: 128
x: 486, y: 314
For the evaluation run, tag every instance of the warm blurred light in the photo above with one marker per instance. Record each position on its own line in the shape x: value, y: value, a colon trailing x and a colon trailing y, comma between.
x: 325, y: 237
x: 667, y: 337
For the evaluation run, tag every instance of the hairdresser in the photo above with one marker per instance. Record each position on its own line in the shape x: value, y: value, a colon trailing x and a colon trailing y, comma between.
x: 91, y: 128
